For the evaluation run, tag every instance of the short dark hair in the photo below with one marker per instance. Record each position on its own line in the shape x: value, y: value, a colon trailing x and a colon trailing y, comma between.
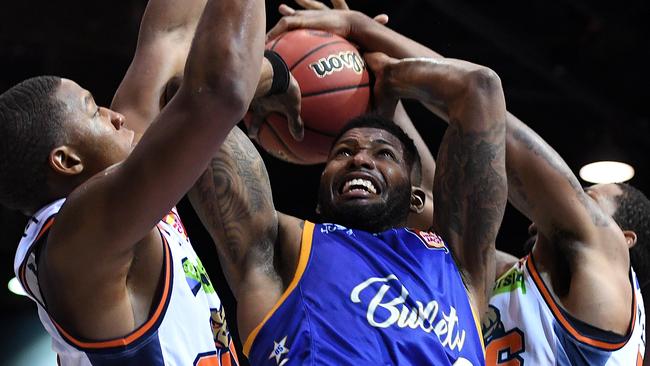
x: 633, y: 213
x: 31, y: 121
x: 377, y: 121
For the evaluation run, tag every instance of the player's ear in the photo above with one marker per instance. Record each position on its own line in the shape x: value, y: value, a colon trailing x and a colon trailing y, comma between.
x: 65, y: 160
x: 318, y: 208
x: 630, y: 238
x: 418, y: 199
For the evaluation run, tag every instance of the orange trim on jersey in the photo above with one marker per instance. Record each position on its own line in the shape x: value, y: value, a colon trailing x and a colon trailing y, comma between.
x: 477, y: 323
x: 125, y: 341
x: 45, y: 227
x: 305, y: 250
x: 555, y: 308
x: 23, y: 267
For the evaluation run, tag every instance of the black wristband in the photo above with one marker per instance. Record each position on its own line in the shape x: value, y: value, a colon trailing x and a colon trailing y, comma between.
x: 281, y: 77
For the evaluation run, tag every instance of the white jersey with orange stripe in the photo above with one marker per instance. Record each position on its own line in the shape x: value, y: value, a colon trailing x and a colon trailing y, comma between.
x: 187, y: 325
x: 526, y: 326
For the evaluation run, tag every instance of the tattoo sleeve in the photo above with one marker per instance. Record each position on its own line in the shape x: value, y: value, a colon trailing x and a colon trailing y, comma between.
x: 470, y: 193
x: 233, y: 200
x: 543, y: 187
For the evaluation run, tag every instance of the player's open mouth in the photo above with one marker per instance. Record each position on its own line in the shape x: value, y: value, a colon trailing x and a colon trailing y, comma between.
x: 358, y: 185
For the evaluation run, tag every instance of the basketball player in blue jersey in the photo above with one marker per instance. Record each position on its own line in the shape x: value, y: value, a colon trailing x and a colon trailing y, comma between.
x: 359, y: 289
x: 586, y: 309
x: 114, y: 283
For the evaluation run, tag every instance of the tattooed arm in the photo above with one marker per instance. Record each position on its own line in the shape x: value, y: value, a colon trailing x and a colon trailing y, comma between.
x: 234, y: 202
x: 544, y: 188
x: 470, y: 188
x: 573, y: 229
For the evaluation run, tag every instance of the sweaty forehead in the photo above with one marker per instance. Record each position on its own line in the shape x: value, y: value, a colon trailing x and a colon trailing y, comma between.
x: 73, y: 95
x: 369, y: 136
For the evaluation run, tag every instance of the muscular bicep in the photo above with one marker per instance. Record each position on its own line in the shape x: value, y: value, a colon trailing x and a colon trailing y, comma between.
x: 233, y: 200
x: 543, y: 187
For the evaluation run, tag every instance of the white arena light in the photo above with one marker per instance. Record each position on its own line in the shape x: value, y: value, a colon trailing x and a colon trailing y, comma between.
x: 15, y: 287
x: 607, y: 172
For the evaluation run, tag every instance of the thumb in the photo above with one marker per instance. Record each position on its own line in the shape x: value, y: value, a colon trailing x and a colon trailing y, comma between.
x: 376, y: 61
x: 381, y: 19
x: 384, y: 102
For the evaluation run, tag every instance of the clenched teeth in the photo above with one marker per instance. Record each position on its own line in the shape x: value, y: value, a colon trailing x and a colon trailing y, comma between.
x: 358, y: 183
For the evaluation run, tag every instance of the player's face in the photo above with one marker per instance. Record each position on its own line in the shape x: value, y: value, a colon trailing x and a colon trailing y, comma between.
x: 97, y: 134
x: 366, y: 182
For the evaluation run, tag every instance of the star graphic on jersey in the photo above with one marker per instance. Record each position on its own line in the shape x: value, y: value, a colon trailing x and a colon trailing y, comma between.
x: 279, y: 349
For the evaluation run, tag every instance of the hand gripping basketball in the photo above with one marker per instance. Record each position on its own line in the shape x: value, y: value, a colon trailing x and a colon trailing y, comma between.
x: 334, y: 87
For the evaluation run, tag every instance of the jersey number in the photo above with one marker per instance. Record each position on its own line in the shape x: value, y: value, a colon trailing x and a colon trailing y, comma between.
x: 505, y: 350
x: 212, y: 359
x: 207, y: 359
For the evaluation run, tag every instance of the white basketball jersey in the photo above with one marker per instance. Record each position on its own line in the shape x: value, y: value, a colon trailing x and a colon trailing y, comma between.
x: 187, y: 325
x: 526, y: 326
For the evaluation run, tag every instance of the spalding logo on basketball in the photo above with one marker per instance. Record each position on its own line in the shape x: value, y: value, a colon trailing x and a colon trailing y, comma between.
x: 335, y: 88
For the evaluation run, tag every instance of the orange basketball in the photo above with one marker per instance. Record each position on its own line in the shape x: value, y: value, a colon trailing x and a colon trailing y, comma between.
x: 335, y: 88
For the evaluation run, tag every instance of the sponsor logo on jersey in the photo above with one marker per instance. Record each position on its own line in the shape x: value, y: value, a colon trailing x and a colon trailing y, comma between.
x: 172, y: 219
x: 388, y: 304
x: 429, y: 239
x: 510, y: 281
x: 280, y: 349
x: 337, y: 62
x: 196, y: 276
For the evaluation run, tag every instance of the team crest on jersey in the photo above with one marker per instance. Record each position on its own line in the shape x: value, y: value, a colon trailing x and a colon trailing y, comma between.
x: 429, y: 239
x: 337, y: 62
x: 280, y: 351
x: 330, y: 228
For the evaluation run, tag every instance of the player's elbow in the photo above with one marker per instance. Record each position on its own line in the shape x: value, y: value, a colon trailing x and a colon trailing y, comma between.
x: 481, y: 105
x: 483, y: 81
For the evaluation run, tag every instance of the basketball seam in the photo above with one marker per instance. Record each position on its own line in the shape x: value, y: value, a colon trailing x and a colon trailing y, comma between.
x: 277, y: 40
x: 334, y: 90
x: 312, y: 52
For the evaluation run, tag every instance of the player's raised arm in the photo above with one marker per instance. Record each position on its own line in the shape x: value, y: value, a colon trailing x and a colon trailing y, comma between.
x: 164, y: 40
x: 234, y: 201
x: 122, y: 204
x: 220, y: 78
x: 470, y: 182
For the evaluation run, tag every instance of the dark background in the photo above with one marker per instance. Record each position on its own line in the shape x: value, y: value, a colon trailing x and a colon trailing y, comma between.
x: 574, y: 70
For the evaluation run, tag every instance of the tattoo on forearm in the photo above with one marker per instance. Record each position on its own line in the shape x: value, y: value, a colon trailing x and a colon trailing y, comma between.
x: 471, y: 189
x: 532, y: 142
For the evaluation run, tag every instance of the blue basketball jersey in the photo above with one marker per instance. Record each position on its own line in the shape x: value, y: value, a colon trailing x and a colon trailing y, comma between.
x: 358, y: 298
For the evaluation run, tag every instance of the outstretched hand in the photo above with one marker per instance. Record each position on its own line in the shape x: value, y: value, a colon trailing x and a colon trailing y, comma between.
x: 336, y: 4
x: 339, y: 20
x: 287, y: 104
